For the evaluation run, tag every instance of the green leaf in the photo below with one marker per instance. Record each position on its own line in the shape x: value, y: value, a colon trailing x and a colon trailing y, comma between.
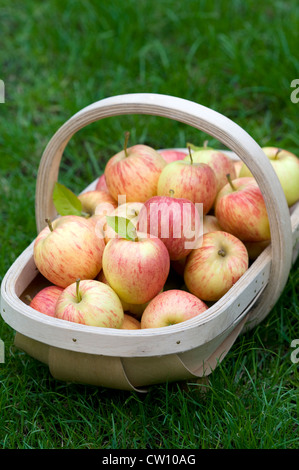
x: 65, y: 201
x: 122, y: 226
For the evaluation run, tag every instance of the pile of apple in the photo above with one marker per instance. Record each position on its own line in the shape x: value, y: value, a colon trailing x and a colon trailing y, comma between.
x: 109, y: 254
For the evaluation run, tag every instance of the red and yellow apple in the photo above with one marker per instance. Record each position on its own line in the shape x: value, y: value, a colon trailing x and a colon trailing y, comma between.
x: 210, y: 223
x: 97, y: 203
x: 171, y: 307
x: 135, y: 310
x: 286, y: 166
x: 92, y: 303
x: 45, y: 300
x: 134, y: 172
x: 130, y: 323
x: 240, y: 209
x: 136, y: 269
x: 176, y: 221
x: 68, y: 248
x: 101, y: 184
x: 194, y: 181
x: 172, y: 155
x: 216, y: 266
x: 220, y: 163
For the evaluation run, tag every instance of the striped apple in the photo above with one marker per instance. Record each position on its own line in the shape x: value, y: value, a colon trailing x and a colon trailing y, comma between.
x: 194, y: 181
x: 45, y: 300
x: 90, y: 302
x: 101, y: 184
x: 130, y: 323
x: 136, y: 269
x: 67, y: 249
x: 97, y: 204
x: 220, y: 163
x: 135, y: 310
x: 212, y: 269
x: 240, y: 209
x: 176, y: 221
x: 171, y: 307
x: 134, y: 172
x: 171, y: 155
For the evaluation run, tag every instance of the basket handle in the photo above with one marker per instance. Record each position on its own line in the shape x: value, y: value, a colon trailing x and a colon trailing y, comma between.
x: 204, y: 119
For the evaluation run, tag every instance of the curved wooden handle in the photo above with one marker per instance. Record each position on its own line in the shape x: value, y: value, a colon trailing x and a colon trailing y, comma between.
x: 206, y: 120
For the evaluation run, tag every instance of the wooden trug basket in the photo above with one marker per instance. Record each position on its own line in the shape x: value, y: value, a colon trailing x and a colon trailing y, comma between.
x: 136, y: 359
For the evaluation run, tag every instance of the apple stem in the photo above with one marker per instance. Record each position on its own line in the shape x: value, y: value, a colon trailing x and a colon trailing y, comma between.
x: 127, y: 135
x: 221, y: 252
x: 276, y: 155
x: 190, y: 154
x: 230, y: 182
x: 78, y: 295
x: 171, y: 192
x: 28, y: 298
x: 49, y: 224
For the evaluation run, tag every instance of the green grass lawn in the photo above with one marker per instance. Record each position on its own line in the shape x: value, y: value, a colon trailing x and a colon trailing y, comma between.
x: 238, y: 58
